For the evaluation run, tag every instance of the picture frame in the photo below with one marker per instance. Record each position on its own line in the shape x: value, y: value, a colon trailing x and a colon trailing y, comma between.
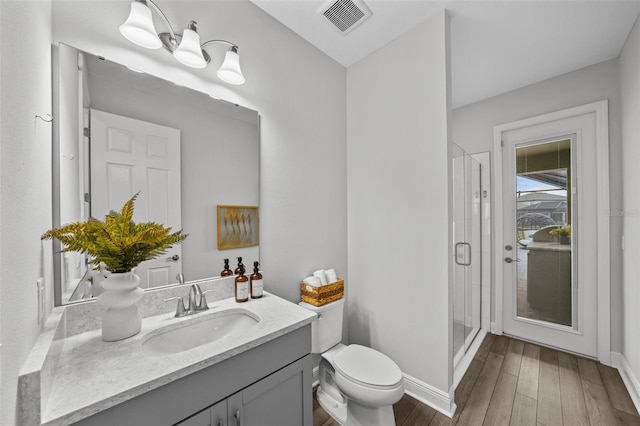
x: 238, y: 227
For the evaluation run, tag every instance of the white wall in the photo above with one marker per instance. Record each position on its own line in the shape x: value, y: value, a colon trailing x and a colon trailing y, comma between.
x: 629, y: 64
x: 300, y: 95
x: 398, y: 295
x: 25, y: 183
x: 473, y: 130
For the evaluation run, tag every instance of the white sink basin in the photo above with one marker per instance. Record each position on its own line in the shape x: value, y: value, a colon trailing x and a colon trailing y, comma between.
x: 199, y: 331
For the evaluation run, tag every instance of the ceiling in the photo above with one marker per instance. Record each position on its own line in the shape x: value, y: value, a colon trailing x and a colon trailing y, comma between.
x: 496, y: 46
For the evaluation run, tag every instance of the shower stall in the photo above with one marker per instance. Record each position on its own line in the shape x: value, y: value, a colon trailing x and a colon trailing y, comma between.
x: 470, y: 205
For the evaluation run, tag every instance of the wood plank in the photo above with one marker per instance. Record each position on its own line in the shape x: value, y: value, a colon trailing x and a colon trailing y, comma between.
x: 513, y: 358
x: 420, y: 415
x: 403, y: 408
x: 589, y: 371
x: 466, y: 384
x: 320, y: 416
x: 478, y: 402
x: 626, y: 418
x: 549, y: 402
x: 529, y: 369
x: 565, y: 358
x: 501, y: 405
x: 438, y: 419
x: 574, y: 410
x: 524, y: 411
x: 597, y: 402
x: 485, y: 347
x: 618, y: 395
x: 500, y: 344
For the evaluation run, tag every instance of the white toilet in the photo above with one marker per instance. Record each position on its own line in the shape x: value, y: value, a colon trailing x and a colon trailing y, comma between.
x: 358, y: 385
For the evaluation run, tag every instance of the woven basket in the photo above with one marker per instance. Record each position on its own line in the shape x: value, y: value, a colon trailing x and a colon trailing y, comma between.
x: 318, y: 296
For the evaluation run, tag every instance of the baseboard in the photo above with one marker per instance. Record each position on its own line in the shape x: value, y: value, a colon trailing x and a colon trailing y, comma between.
x: 628, y: 377
x: 427, y: 394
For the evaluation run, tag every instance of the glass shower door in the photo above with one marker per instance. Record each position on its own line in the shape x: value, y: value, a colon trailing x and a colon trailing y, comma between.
x: 466, y: 196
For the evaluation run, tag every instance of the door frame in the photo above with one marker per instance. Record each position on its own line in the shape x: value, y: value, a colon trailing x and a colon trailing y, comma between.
x: 601, y: 111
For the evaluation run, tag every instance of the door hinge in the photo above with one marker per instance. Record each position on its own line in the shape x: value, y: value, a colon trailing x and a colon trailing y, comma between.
x: 87, y: 197
x: 502, y: 143
x: 87, y: 132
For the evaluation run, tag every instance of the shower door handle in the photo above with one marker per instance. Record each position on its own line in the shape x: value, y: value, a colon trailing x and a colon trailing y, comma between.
x: 459, y: 255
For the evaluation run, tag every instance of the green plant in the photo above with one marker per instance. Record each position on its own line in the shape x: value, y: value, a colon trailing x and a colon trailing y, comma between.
x: 564, y: 231
x: 118, y: 242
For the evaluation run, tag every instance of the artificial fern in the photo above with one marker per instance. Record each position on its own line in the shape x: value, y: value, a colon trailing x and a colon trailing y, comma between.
x: 118, y: 242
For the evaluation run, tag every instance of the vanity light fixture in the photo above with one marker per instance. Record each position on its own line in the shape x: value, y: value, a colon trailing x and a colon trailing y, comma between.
x: 185, y: 47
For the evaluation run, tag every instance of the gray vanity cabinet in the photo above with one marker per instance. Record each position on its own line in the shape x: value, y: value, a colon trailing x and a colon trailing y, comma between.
x: 267, y: 385
x: 276, y: 400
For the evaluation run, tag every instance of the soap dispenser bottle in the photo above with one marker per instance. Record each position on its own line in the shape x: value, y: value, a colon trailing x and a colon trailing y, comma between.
x: 237, y: 270
x: 242, y: 286
x: 226, y: 271
x: 256, y: 282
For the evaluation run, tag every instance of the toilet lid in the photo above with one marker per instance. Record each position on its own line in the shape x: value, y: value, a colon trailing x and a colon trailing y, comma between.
x: 367, y: 366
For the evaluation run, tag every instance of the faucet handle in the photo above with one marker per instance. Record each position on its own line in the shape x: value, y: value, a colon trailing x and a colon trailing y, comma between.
x: 203, y: 306
x: 180, y: 310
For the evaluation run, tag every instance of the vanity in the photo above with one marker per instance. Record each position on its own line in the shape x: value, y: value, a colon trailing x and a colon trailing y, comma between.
x: 259, y: 373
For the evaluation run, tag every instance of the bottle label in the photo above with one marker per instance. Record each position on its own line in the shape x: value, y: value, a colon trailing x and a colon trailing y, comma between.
x: 256, y: 288
x: 242, y: 290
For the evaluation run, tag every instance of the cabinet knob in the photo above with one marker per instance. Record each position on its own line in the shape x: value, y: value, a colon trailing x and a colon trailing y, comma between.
x: 237, y: 416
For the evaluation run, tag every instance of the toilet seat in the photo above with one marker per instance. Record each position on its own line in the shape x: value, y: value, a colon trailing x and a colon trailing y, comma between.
x: 367, y: 367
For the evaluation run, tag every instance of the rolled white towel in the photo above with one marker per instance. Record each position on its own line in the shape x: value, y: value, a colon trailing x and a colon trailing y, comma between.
x: 322, y: 276
x: 331, y: 275
x: 312, y: 281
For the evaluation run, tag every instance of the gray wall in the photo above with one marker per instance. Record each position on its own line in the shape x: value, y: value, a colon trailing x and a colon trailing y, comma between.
x: 398, y: 195
x: 473, y: 130
x: 25, y: 184
x: 630, y: 101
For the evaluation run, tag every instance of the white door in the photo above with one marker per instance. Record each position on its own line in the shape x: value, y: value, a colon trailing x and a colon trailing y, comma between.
x: 549, y: 185
x: 130, y: 156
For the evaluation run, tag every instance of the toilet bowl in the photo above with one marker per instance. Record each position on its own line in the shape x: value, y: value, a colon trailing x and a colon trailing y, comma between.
x: 358, y: 385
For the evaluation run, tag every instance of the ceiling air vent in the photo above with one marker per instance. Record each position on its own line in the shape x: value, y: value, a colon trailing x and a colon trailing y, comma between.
x: 345, y: 15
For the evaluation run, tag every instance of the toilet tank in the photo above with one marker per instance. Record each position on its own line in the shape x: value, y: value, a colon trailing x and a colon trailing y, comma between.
x: 326, y: 330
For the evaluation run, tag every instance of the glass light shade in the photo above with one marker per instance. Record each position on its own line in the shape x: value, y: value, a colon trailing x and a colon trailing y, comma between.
x: 230, y: 71
x: 139, y: 29
x: 189, y: 52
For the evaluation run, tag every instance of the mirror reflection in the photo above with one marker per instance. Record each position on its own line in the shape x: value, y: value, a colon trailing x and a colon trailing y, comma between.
x: 120, y: 131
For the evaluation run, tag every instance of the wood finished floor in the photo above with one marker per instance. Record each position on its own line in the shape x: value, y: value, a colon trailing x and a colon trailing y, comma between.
x: 510, y: 382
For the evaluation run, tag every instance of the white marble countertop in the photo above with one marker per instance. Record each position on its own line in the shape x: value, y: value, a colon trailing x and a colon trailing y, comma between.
x: 92, y: 375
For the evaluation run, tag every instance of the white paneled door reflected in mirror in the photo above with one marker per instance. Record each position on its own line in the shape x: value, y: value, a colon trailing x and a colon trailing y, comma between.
x: 120, y: 132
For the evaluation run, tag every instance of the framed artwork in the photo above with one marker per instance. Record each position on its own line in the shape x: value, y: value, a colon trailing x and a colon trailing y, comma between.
x: 238, y: 226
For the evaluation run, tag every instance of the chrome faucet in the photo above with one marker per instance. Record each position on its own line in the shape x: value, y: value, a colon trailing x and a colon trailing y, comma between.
x: 195, y: 295
x: 197, y: 302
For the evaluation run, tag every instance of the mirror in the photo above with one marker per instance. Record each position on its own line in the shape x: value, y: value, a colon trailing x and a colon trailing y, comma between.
x: 212, y: 147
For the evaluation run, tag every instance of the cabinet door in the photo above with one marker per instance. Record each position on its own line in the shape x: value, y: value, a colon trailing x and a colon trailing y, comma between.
x: 213, y: 416
x: 219, y: 414
x: 203, y: 418
x: 276, y: 400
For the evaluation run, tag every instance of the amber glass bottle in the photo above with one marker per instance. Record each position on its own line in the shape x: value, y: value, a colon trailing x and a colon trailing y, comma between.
x: 237, y: 270
x: 242, y: 286
x: 256, y: 282
x: 226, y: 271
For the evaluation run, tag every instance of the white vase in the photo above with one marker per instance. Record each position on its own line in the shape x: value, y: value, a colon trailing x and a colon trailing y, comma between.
x: 122, y: 318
